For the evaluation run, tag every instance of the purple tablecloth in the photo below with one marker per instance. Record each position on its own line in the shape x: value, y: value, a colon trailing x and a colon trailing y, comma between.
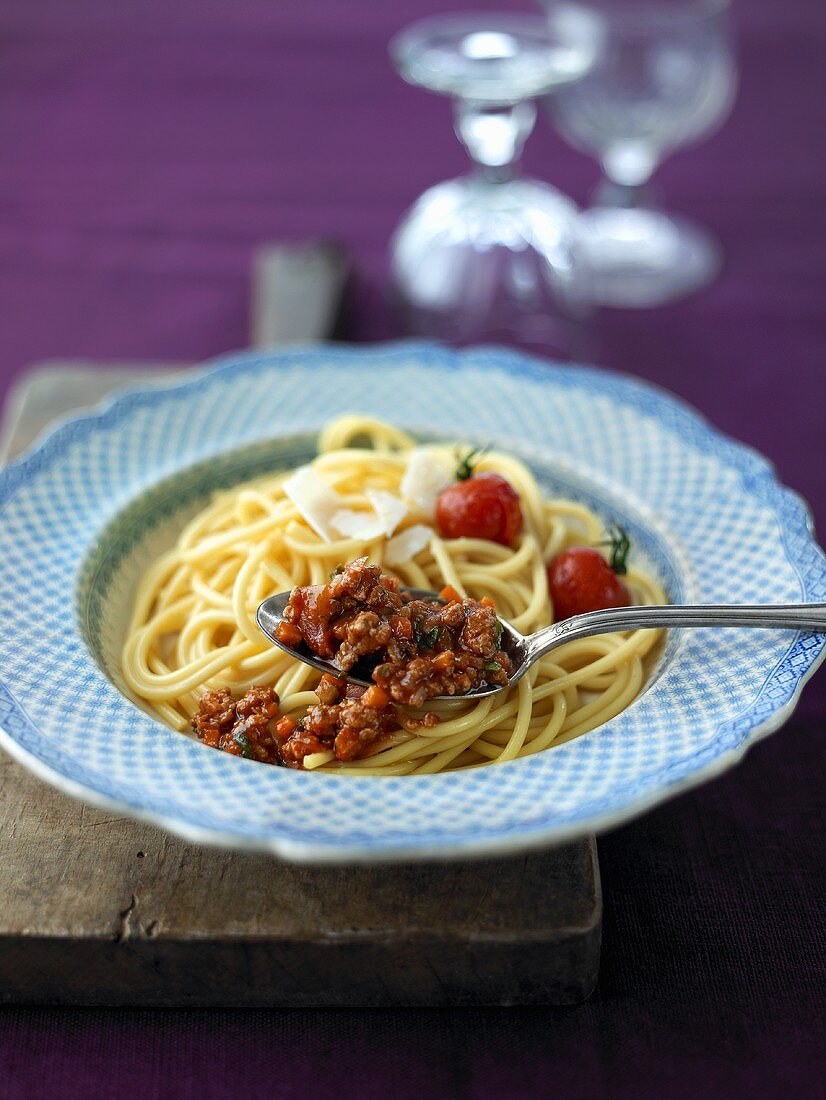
x: 146, y: 147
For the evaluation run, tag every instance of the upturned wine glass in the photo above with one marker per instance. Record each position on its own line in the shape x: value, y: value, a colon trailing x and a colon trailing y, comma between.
x: 662, y: 75
x: 491, y: 254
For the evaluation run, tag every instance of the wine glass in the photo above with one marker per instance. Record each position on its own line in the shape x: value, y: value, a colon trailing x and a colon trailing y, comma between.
x: 662, y: 75
x: 491, y: 254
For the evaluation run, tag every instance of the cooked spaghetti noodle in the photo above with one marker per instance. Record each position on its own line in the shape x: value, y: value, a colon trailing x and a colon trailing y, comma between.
x: 193, y: 623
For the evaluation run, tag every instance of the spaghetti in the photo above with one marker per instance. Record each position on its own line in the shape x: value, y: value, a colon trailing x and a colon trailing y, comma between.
x: 193, y: 623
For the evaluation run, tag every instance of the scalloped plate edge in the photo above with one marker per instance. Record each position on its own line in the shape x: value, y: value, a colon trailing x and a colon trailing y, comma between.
x: 295, y: 852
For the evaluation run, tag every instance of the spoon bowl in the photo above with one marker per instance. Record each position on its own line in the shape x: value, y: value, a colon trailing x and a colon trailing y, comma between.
x: 271, y: 613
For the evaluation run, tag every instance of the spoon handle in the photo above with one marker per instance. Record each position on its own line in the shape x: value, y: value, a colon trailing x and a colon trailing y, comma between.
x: 792, y: 616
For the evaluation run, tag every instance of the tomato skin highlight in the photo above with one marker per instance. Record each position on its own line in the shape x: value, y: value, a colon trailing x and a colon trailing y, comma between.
x: 580, y: 580
x: 484, y: 506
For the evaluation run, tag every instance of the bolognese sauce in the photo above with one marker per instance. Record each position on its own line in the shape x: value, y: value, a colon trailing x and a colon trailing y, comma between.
x: 242, y: 727
x: 421, y: 648
x: 348, y: 719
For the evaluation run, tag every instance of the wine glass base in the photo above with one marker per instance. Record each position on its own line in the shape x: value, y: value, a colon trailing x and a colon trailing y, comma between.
x: 641, y: 258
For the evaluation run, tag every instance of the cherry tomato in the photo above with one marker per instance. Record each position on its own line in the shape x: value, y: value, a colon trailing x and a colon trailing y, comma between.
x: 580, y: 580
x: 484, y: 506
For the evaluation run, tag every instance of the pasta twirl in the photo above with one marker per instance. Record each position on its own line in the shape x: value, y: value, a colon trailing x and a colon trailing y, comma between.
x: 193, y: 621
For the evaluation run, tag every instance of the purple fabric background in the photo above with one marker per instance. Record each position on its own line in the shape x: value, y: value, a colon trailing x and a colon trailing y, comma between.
x: 146, y: 147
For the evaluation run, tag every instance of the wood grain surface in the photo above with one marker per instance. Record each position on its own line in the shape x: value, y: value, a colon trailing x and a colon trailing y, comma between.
x: 96, y: 909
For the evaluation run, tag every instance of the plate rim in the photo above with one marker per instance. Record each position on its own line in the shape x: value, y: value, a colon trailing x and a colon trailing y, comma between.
x: 314, y: 853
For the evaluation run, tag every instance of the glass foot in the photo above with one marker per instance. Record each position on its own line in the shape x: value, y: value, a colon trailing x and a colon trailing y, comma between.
x: 640, y: 258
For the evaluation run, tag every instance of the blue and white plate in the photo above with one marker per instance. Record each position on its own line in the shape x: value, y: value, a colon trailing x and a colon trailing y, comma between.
x: 83, y: 515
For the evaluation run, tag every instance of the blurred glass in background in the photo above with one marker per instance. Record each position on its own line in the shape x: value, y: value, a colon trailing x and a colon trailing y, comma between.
x: 662, y: 75
x: 491, y: 255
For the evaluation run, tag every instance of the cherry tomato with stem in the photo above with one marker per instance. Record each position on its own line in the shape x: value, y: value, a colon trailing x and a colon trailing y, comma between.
x: 581, y: 580
x: 479, y: 506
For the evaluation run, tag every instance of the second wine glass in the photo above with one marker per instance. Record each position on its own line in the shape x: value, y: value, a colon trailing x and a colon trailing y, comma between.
x: 663, y: 75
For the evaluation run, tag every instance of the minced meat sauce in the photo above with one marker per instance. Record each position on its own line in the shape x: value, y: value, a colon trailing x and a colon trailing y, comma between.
x: 243, y: 727
x: 421, y: 649
x: 346, y: 721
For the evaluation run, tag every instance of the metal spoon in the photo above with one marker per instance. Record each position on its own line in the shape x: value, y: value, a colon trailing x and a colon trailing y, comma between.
x: 525, y: 651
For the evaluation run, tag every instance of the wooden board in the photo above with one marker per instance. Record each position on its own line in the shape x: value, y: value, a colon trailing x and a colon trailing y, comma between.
x: 95, y: 909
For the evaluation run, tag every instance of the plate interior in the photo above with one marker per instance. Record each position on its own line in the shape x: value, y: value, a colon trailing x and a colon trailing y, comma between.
x: 150, y: 524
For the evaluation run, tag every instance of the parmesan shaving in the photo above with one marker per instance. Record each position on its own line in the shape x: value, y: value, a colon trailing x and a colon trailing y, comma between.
x: 425, y: 477
x: 388, y: 507
x: 357, y: 525
x: 407, y: 544
x: 315, y: 500
x: 388, y: 511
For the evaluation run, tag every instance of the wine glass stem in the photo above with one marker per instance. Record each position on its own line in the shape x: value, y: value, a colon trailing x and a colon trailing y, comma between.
x: 494, y: 135
x: 624, y: 196
x: 627, y: 168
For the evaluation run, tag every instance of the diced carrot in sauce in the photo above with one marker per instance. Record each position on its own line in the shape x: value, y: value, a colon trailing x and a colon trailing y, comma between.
x: 288, y: 634
x: 486, y: 601
x: 442, y: 661
x: 450, y: 594
x: 285, y: 727
x: 402, y: 628
x: 333, y: 682
x: 375, y: 697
